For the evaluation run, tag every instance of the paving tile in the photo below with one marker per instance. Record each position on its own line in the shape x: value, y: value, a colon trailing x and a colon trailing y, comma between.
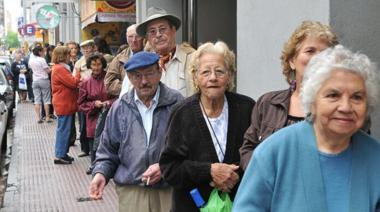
x: 36, y: 184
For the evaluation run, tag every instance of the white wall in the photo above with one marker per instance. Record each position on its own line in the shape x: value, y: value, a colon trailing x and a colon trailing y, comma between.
x: 69, y: 27
x: 358, y: 27
x: 262, y: 28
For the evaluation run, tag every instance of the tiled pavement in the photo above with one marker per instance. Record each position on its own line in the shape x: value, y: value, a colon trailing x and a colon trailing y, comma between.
x: 36, y: 184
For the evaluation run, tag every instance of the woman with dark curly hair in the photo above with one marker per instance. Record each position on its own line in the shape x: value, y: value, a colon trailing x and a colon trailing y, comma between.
x: 93, y: 97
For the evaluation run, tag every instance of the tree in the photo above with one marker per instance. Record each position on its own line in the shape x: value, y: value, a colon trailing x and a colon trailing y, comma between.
x: 11, y: 40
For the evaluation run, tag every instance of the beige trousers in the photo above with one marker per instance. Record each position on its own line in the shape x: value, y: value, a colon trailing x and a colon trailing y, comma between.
x: 133, y: 198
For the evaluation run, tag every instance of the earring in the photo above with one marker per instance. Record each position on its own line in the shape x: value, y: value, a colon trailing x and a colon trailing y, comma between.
x: 293, y: 82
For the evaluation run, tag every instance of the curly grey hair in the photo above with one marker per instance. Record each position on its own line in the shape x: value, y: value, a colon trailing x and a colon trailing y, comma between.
x: 219, y: 48
x: 320, y: 67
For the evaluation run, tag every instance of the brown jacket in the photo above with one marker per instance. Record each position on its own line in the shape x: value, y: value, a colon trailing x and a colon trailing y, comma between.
x: 269, y: 115
x: 116, y: 73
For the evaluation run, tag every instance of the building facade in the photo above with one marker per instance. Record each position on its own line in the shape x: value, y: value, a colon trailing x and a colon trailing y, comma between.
x: 257, y: 31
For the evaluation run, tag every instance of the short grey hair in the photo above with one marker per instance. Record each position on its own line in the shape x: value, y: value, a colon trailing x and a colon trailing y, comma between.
x: 219, y: 48
x: 320, y: 67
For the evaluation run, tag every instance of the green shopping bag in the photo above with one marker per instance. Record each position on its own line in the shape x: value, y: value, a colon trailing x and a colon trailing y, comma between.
x: 218, y: 202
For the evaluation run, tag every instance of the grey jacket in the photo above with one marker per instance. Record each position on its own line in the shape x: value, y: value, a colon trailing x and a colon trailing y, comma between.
x: 123, y: 154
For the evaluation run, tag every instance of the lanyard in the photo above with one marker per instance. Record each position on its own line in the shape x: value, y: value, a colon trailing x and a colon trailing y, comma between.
x: 212, y: 129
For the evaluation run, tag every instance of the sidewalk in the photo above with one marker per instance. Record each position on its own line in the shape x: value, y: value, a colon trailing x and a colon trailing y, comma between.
x: 36, y: 184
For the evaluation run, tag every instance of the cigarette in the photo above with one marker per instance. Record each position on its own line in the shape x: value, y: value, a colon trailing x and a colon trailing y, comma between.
x: 147, y: 182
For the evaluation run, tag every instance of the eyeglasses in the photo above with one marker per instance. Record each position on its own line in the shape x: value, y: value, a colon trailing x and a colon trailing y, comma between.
x: 86, y: 48
x: 134, y: 37
x: 153, y: 31
x: 219, y: 73
x: 137, y: 76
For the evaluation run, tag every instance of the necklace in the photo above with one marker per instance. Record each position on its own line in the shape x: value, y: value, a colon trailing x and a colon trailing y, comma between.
x: 212, y: 129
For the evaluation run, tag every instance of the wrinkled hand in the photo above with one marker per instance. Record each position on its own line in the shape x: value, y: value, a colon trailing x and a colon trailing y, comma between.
x: 224, y: 176
x: 106, y: 104
x: 98, y: 104
x: 153, y: 173
x: 96, y: 187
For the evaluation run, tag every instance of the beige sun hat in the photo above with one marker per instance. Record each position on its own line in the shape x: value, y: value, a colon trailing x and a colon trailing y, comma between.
x: 87, y: 43
x: 156, y: 13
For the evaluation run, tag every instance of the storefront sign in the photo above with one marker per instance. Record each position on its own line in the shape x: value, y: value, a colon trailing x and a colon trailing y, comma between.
x: 29, y: 29
x: 116, y: 17
x: 48, y: 17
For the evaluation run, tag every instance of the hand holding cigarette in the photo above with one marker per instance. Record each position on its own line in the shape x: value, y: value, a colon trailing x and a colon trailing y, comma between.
x: 152, y: 175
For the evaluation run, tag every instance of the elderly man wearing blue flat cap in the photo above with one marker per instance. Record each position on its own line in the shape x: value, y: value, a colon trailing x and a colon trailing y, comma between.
x: 133, y: 138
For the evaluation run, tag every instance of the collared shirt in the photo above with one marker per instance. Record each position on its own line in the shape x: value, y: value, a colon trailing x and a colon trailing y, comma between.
x: 219, y: 126
x: 126, y: 85
x: 81, y: 65
x: 147, y: 112
x: 174, y: 76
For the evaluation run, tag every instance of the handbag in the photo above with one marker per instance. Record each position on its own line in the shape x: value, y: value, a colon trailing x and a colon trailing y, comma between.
x: 22, y: 82
x: 218, y: 202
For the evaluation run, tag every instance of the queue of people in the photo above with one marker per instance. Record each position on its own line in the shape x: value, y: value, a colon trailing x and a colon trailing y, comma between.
x: 306, y: 148
x: 167, y: 121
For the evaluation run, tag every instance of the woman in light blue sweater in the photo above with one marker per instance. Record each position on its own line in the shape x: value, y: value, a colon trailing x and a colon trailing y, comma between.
x: 325, y: 163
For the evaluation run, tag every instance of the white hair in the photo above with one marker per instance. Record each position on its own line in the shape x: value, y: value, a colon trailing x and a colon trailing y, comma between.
x: 320, y: 67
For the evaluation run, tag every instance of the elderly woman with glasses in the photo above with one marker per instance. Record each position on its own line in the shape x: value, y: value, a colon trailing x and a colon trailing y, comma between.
x: 325, y: 163
x: 206, y: 130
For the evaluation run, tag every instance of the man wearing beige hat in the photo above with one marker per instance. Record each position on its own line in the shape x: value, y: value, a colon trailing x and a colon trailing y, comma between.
x: 87, y: 47
x: 160, y: 29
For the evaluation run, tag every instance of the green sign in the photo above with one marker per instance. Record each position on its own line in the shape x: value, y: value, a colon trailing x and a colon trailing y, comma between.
x: 48, y: 17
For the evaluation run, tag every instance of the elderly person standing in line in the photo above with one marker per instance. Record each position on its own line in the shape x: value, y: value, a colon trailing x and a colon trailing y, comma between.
x: 133, y: 139
x: 206, y: 130
x: 93, y: 98
x: 278, y: 109
x: 41, y: 83
x: 115, y: 72
x: 325, y: 163
x: 160, y: 29
x: 65, y: 94
x: 80, y: 67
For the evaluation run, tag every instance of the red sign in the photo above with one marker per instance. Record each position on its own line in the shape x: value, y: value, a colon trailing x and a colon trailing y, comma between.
x: 29, y: 29
x: 121, y: 4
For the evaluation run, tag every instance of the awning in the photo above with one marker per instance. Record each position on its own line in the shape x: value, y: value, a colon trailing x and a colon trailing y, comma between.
x: 88, y: 21
x: 103, y: 17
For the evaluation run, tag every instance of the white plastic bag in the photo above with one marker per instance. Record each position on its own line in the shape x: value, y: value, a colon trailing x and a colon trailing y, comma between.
x: 22, y: 82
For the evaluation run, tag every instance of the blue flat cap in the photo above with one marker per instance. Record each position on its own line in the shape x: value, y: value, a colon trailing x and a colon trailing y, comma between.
x: 140, y: 60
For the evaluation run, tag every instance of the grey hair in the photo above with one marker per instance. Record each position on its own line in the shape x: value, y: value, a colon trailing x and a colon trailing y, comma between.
x: 320, y: 67
x: 219, y: 48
